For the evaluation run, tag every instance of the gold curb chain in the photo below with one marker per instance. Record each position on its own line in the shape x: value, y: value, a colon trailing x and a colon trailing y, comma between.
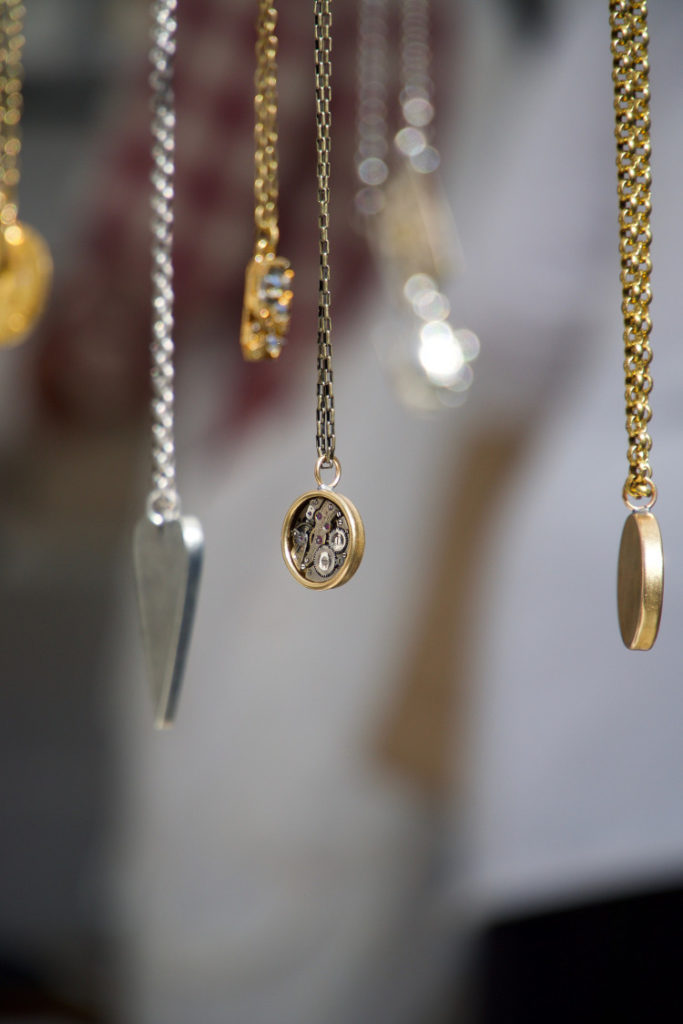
x: 630, y: 75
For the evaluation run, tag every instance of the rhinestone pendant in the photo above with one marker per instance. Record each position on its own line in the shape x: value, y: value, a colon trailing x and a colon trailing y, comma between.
x: 168, y: 562
x: 25, y: 278
x: 640, y: 581
x: 323, y: 537
x: 267, y: 307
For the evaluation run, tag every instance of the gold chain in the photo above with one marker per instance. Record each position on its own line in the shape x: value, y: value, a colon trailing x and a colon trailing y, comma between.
x: 265, y: 130
x: 25, y: 264
x: 325, y: 436
x: 11, y: 73
x: 268, y: 284
x: 630, y: 75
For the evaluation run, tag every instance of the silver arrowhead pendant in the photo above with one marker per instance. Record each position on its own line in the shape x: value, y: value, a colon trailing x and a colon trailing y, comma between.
x: 168, y: 564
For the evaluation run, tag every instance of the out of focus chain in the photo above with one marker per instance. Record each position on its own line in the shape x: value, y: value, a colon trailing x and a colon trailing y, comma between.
x: 372, y: 144
x: 629, y: 40
x: 163, y: 502
x: 416, y: 97
x: 325, y: 436
x: 403, y: 212
x: 417, y: 87
x: 265, y: 130
x: 12, y: 13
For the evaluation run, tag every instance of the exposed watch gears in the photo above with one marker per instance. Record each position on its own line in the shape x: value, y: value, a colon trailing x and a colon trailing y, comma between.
x: 323, y: 539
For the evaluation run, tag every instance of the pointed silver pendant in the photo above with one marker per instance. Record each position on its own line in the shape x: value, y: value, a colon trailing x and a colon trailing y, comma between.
x: 168, y: 564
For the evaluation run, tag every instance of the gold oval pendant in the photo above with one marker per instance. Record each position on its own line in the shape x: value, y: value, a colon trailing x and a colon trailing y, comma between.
x: 640, y: 581
x: 25, y: 277
x: 323, y: 539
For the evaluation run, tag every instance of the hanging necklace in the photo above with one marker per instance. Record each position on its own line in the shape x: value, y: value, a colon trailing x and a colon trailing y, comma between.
x: 640, y: 580
x: 25, y: 264
x: 323, y: 538
x: 407, y: 219
x: 167, y: 547
x: 267, y: 289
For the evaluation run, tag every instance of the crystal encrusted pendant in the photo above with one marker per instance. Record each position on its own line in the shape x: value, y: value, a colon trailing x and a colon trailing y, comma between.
x: 267, y: 307
x: 25, y: 278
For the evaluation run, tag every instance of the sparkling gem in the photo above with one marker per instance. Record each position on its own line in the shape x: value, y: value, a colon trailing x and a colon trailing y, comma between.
x: 318, y: 515
x: 274, y: 289
x: 273, y: 283
x: 318, y: 540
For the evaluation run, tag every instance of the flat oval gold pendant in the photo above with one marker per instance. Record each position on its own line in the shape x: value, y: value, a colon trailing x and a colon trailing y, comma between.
x: 25, y: 278
x: 323, y: 539
x: 266, y: 309
x: 640, y: 581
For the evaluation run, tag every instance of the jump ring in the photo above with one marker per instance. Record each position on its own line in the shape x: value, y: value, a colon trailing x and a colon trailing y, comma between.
x: 323, y: 461
x: 640, y: 508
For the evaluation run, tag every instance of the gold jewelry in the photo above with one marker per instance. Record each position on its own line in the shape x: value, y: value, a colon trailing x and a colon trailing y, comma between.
x: 323, y: 538
x: 640, y: 580
x: 267, y: 289
x: 25, y: 264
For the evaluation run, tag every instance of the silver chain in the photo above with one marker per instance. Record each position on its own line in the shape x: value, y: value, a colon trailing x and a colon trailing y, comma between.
x: 372, y: 146
x: 163, y: 500
x: 401, y: 209
x: 412, y: 139
x: 416, y: 55
x: 325, y: 436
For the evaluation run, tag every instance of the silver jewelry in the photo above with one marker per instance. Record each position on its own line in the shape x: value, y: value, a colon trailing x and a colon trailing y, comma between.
x: 408, y: 220
x: 167, y: 547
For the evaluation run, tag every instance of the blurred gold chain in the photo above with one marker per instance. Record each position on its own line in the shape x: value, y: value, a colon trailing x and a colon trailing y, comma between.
x: 265, y: 130
x: 630, y: 75
x: 12, y: 14
x: 325, y: 430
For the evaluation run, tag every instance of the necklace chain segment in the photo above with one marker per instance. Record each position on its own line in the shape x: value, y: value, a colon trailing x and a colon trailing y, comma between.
x: 634, y: 178
x: 323, y: 538
x: 640, y: 579
x: 25, y: 264
x: 167, y: 547
x: 266, y: 309
x: 325, y: 429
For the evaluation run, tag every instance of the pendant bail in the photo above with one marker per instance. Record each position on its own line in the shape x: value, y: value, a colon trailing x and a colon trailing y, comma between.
x: 323, y: 462
x: 647, y: 505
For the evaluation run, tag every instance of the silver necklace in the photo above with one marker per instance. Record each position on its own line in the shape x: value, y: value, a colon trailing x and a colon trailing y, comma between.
x: 407, y: 219
x: 167, y: 546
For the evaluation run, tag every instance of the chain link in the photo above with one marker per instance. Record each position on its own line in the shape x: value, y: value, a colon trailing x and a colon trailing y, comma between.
x: 12, y: 13
x: 265, y: 130
x: 325, y: 436
x: 630, y: 75
x: 372, y: 66
x: 416, y: 54
x: 163, y: 500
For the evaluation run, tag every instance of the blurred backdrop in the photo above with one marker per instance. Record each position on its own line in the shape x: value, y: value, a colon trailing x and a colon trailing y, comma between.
x: 444, y: 793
